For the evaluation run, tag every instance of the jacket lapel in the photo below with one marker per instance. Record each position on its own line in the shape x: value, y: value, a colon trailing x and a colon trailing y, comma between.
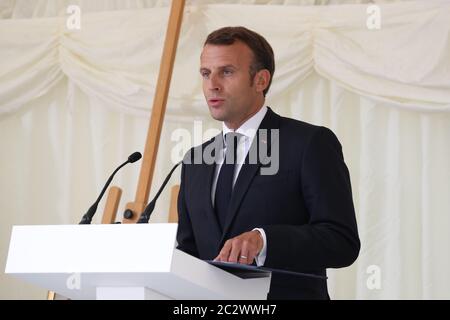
x: 208, y: 173
x: 249, y: 170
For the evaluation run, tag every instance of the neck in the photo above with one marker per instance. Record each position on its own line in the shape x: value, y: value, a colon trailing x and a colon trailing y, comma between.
x: 236, y: 125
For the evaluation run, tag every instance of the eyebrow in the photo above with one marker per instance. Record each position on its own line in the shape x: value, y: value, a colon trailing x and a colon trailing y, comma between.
x: 220, y: 68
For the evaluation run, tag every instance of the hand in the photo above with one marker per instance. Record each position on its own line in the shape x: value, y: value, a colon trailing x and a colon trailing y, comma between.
x: 243, y: 248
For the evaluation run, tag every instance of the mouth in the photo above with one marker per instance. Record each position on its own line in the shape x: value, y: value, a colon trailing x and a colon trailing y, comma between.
x: 215, y: 102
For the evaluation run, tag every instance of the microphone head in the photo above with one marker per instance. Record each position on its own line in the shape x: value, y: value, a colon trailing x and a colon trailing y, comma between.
x: 134, y: 157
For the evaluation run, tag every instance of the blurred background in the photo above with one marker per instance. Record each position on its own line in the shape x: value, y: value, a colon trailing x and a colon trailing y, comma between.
x: 74, y: 103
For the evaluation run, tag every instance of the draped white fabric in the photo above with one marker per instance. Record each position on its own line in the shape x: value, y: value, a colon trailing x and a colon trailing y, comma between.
x: 403, y: 63
x: 75, y: 103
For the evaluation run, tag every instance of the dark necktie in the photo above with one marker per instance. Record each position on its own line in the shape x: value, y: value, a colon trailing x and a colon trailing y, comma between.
x: 224, y: 187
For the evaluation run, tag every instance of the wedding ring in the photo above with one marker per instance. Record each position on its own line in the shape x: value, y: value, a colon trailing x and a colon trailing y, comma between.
x: 244, y: 257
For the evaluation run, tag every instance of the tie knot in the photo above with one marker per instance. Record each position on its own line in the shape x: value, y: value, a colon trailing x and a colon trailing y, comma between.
x: 231, y: 142
x: 232, y: 139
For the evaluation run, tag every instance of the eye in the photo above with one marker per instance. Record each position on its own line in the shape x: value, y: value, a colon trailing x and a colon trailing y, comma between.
x: 204, y: 74
x: 227, y: 72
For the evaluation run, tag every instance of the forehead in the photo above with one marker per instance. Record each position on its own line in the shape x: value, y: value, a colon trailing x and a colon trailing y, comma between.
x: 237, y: 54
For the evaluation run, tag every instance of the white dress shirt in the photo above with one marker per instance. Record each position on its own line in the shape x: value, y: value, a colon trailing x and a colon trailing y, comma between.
x: 248, y: 131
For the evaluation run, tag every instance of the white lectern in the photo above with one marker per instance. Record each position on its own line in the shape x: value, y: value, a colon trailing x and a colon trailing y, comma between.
x: 128, y: 261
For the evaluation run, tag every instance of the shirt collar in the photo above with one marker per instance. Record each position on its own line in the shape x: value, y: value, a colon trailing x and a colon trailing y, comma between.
x: 249, y: 127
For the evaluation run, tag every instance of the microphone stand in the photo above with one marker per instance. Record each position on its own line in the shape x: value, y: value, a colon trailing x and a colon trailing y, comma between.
x: 87, y: 217
x: 145, y: 216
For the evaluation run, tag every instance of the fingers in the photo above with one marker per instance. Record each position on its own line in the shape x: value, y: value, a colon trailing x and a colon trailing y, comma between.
x: 225, y: 252
x: 248, y: 253
x: 244, y: 254
x: 242, y: 249
x: 236, y: 245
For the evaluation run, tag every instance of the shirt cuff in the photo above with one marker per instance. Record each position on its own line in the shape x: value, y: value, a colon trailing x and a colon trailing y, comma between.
x: 261, y: 257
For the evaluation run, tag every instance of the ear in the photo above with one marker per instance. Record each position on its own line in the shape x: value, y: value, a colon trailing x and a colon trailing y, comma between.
x: 262, y: 78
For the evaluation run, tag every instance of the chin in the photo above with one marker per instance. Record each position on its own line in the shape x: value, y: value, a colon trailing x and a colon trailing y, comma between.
x: 217, y: 115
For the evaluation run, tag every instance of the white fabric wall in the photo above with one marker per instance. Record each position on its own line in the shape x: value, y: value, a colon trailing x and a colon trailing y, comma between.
x: 74, y: 104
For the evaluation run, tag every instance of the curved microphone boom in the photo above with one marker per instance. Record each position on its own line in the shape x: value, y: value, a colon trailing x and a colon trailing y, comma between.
x: 87, y: 218
x: 145, y: 216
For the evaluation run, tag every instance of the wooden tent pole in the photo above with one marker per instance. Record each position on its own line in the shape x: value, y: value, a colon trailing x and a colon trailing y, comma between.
x: 155, y: 127
x: 158, y: 111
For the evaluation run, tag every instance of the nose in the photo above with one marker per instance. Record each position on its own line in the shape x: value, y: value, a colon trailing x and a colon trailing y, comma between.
x: 214, y: 83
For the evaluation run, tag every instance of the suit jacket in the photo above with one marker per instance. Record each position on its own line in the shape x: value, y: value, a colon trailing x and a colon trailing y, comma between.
x: 306, y: 208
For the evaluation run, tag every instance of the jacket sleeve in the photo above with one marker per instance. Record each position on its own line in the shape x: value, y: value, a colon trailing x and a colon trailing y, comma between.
x: 330, y: 238
x: 185, y: 234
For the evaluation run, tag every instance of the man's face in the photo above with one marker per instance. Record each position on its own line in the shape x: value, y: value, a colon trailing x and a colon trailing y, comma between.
x: 228, y: 89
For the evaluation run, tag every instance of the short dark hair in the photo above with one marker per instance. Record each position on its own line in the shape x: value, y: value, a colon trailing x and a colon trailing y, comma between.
x: 263, y: 57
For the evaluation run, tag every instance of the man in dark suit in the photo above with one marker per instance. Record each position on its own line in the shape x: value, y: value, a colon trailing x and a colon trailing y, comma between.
x: 290, y: 208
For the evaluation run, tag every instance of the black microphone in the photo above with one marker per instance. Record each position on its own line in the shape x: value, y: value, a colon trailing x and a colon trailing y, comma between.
x: 87, y: 218
x: 145, y: 216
